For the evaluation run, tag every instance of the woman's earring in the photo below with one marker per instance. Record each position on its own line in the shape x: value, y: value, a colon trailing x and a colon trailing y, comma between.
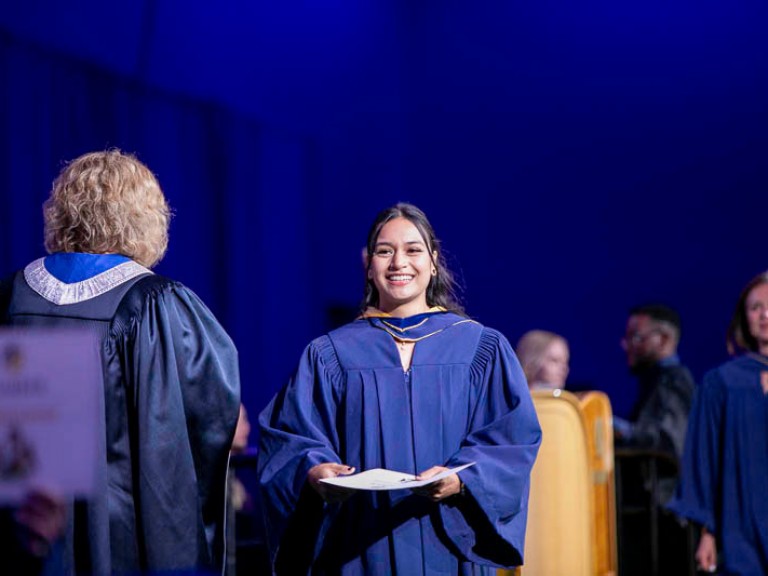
x: 434, y: 271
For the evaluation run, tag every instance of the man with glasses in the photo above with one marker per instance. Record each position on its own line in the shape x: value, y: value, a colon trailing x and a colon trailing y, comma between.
x: 660, y: 415
x: 650, y: 444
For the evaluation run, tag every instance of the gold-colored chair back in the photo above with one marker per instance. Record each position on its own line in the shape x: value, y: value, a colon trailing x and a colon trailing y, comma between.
x: 596, y: 408
x: 572, y: 511
x: 559, y: 533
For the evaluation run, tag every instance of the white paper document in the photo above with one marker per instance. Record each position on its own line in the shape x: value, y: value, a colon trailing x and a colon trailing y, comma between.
x: 382, y: 479
x: 51, y: 417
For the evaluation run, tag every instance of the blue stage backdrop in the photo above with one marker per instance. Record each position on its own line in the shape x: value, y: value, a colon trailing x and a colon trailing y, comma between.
x: 577, y: 158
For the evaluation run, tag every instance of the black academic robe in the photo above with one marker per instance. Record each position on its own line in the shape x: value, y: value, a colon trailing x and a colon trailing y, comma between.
x: 171, y: 401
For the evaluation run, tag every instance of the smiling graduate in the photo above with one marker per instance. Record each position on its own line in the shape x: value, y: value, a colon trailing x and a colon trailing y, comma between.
x: 412, y: 385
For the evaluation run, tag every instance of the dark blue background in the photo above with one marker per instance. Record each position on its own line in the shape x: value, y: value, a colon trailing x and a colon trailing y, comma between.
x: 577, y: 158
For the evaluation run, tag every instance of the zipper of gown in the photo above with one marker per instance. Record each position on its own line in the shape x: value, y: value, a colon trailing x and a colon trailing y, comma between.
x: 407, y: 375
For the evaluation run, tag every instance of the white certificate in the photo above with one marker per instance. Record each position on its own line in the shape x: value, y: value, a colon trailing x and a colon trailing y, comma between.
x: 51, y: 412
x: 382, y: 479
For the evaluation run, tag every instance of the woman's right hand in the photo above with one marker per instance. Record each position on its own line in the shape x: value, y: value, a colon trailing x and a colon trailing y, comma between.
x: 329, y: 492
x: 706, y: 553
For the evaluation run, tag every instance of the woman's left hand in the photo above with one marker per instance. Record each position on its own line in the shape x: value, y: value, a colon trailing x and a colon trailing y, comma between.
x: 440, y: 490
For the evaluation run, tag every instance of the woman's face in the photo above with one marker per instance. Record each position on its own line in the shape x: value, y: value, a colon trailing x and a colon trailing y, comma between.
x: 757, y: 314
x: 554, y: 366
x: 401, y: 268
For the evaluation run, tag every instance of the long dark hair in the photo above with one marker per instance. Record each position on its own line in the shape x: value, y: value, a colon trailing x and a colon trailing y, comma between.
x: 739, y: 338
x: 442, y: 288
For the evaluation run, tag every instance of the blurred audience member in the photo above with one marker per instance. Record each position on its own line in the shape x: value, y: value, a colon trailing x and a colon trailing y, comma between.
x: 544, y: 357
x: 650, y: 445
x: 660, y: 414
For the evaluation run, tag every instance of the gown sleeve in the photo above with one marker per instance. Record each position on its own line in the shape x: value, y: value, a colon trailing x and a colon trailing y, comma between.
x: 487, y: 524
x: 183, y: 387
x: 298, y: 432
x: 696, y: 497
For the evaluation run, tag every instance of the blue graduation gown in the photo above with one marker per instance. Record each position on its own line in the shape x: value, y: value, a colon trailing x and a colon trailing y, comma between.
x: 463, y: 400
x: 725, y: 464
x: 171, y: 402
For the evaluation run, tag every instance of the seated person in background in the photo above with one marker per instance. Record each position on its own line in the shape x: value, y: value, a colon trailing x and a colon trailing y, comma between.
x: 544, y: 357
x: 660, y: 414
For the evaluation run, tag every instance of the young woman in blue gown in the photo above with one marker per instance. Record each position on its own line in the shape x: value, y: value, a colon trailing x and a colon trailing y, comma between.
x: 412, y: 385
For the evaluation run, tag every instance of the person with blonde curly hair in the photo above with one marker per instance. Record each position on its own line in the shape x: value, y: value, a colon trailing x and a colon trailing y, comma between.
x: 108, y: 202
x: 171, y: 379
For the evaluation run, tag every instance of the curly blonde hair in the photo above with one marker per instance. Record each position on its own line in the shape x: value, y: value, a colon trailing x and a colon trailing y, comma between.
x: 107, y: 202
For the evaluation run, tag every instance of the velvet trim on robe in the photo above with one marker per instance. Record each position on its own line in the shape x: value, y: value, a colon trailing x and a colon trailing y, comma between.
x: 464, y: 399
x: 171, y: 402
x: 725, y: 464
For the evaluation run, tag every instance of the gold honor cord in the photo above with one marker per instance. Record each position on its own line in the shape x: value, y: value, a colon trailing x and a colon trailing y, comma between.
x: 401, y: 330
x: 401, y: 338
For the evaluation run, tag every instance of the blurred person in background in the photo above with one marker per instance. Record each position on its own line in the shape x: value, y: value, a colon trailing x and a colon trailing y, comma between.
x: 725, y: 466
x: 545, y: 359
x: 650, y: 444
x: 660, y: 414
